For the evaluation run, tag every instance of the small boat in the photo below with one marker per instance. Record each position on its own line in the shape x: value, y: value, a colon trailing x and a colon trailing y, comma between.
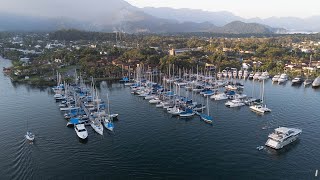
x: 283, y: 78
x: 208, y: 93
x: 159, y: 104
x: 97, y: 126
x: 206, y: 117
x: 282, y: 136
x: 81, y: 131
x: 257, y: 75
x: 154, y: 101
x: 234, y: 103
x: 260, y: 108
x: 30, y: 136
x: 149, y: 97
x: 187, y: 113
x: 260, y: 148
x: 297, y: 81
x: 175, y: 111
x: 307, y: 82
x: 112, y: 116
x: 316, y: 82
x: 108, y: 124
x: 276, y: 78
x: 264, y: 76
x: 249, y: 101
x: 219, y: 96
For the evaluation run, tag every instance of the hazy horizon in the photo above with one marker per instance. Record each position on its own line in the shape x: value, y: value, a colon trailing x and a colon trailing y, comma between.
x: 243, y: 8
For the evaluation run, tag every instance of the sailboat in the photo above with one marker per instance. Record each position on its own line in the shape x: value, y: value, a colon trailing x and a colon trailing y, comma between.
x: 95, y: 122
x: 308, y: 81
x: 260, y: 108
x: 29, y: 136
x: 108, y: 119
x: 206, y: 117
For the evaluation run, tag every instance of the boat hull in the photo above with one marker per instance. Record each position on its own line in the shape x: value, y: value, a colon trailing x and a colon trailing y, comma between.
x: 278, y: 145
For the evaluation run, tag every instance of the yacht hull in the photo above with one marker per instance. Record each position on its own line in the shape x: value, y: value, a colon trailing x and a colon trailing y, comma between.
x: 278, y: 145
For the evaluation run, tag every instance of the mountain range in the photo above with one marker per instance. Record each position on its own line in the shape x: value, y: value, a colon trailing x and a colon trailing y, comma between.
x: 119, y: 15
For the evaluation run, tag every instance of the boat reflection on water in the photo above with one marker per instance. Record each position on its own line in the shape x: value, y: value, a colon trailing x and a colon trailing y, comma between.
x: 83, y: 141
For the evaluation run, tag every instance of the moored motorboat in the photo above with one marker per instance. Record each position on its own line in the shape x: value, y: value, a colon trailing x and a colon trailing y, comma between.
x: 81, y: 131
x: 283, y: 78
x: 307, y: 82
x: 275, y: 78
x: 297, y: 81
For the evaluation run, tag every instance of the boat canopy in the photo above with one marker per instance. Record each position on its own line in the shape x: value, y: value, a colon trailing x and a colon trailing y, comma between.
x: 74, y: 120
x: 231, y: 93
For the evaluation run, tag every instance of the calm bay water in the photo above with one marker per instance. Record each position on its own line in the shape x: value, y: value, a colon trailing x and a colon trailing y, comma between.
x: 149, y: 143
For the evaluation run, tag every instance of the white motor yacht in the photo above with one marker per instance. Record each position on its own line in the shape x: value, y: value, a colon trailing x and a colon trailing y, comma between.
x: 283, y: 78
x: 81, y: 131
x: 234, y: 103
x: 316, y: 82
x: 260, y: 109
x: 30, y: 136
x: 282, y: 136
x: 276, y: 78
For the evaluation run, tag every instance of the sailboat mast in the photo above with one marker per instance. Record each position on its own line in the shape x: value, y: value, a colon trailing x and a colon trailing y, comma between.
x: 108, y: 104
x: 262, y: 96
x: 208, y: 105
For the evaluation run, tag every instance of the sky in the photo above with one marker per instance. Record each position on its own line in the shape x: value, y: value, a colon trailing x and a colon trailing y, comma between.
x: 243, y: 8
